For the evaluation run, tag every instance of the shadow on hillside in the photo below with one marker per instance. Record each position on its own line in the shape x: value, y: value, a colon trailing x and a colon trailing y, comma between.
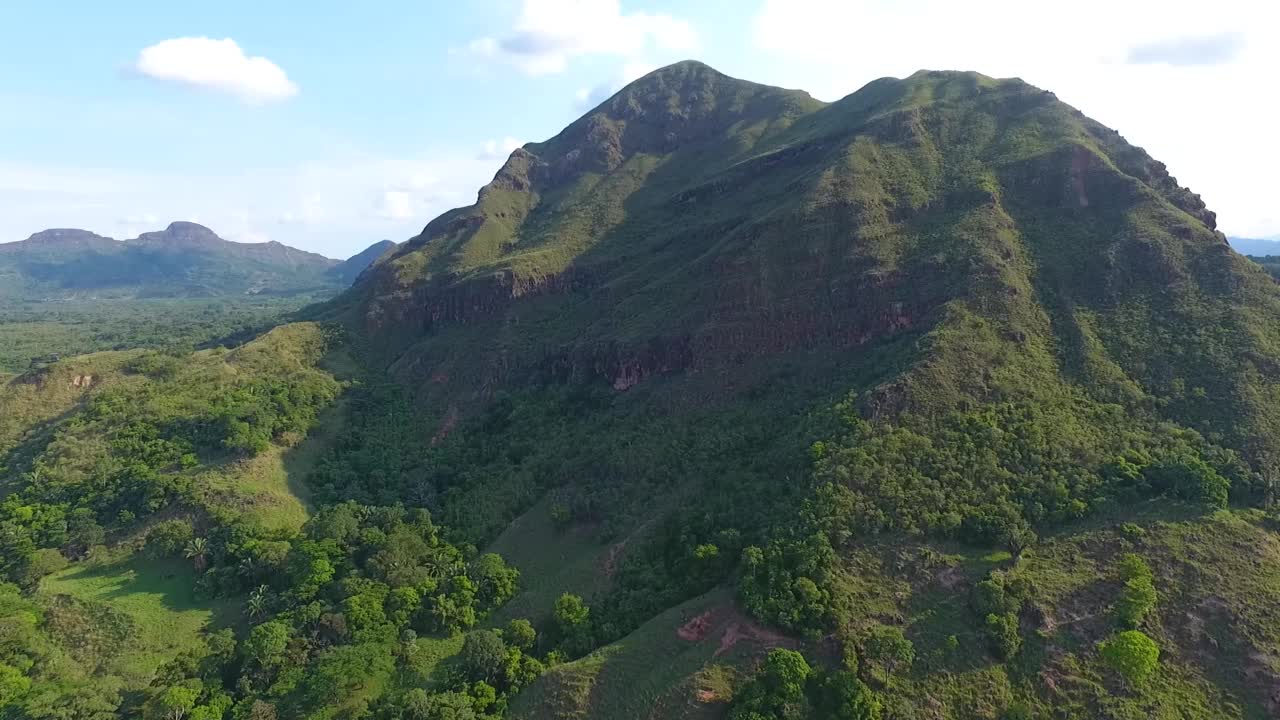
x: 172, y: 582
x: 302, y: 458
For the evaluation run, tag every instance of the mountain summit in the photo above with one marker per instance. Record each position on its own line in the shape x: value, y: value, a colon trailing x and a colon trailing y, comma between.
x: 694, y: 221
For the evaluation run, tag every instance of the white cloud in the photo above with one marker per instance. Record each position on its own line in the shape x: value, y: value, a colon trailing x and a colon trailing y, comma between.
x: 1178, y: 79
x: 550, y: 33
x: 587, y: 98
x: 396, y: 205
x: 217, y: 65
x: 499, y: 149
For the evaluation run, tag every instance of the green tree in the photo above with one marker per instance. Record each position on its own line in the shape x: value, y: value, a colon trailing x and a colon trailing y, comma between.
x: 483, y: 655
x: 1132, y: 654
x: 172, y: 703
x: 777, y: 691
x: 419, y: 705
x: 1002, y: 634
x: 13, y: 684
x: 842, y: 696
x: 256, y: 606
x: 197, y: 551
x: 495, y: 580
x: 520, y: 634
x: 266, y: 643
x: 573, y: 620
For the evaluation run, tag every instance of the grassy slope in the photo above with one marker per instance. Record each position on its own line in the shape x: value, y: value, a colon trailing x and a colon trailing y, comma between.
x: 551, y: 562
x: 157, y: 596
x: 1219, y: 583
x: 653, y: 671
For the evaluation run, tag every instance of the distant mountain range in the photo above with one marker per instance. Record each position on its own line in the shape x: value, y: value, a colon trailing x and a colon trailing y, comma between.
x: 183, y: 260
x: 1256, y: 246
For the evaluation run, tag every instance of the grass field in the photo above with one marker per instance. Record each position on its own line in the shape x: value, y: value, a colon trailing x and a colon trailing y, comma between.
x: 551, y: 562
x: 156, y: 596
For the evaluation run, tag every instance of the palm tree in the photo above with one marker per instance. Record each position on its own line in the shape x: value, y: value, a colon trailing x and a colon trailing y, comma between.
x: 196, y: 549
x: 257, y: 604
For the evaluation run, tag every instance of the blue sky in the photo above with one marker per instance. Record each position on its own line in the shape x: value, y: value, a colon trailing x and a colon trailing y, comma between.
x: 333, y: 124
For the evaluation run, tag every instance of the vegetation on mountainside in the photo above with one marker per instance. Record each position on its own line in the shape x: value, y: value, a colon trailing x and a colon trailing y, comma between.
x: 152, y: 453
x: 938, y: 400
x: 69, y: 292
x: 1057, y: 332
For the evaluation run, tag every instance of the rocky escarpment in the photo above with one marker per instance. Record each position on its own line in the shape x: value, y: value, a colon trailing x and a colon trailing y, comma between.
x: 695, y: 222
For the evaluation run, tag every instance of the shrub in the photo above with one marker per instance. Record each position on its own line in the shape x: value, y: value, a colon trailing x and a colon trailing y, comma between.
x: 886, y: 651
x: 1132, y: 654
x: 1002, y: 634
x: 1138, y: 597
x: 168, y: 538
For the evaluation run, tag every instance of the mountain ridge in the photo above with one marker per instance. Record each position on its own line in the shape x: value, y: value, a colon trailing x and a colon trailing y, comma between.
x: 528, y: 234
x: 184, y: 259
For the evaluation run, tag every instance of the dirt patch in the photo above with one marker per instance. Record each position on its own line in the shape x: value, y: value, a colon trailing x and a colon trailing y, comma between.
x: 950, y: 578
x: 737, y: 628
x: 696, y: 629
x: 741, y: 630
x: 706, y: 696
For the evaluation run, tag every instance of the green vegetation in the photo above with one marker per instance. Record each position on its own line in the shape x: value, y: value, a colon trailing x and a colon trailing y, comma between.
x: 940, y: 400
x: 1131, y: 654
x: 33, y: 334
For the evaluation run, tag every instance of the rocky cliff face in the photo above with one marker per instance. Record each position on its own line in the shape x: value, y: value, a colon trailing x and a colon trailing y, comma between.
x: 696, y: 222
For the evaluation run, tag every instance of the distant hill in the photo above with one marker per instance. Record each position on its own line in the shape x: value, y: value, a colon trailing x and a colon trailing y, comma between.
x: 348, y: 270
x: 1258, y: 247
x: 185, y: 260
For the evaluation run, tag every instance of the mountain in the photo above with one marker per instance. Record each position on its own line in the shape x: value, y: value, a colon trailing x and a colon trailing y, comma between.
x: 348, y: 270
x: 939, y: 401
x: 711, y: 313
x: 183, y: 260
x: 1260, y: 247
x: 694, y: 222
